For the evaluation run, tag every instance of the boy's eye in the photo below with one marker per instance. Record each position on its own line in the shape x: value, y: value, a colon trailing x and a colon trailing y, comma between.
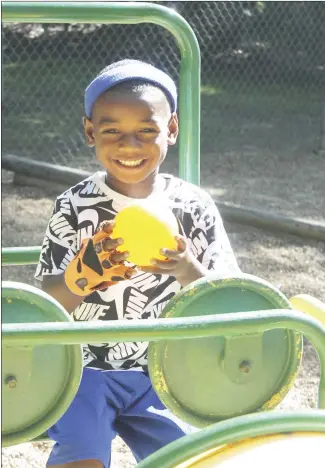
x: 148, y: 130
x: 111, y: 130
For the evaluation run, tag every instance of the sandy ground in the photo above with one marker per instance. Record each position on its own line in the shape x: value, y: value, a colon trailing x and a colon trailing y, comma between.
x: 294, y: 265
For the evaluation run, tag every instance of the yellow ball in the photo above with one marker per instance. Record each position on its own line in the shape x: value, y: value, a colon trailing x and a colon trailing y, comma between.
x: 146, y: 227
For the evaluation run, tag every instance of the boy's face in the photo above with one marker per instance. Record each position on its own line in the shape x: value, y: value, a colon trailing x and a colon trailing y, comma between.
x: 131, y: 132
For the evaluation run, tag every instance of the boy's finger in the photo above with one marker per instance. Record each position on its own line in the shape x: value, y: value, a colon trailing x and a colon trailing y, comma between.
x: 111, y: 244
x: 181, y: 247
x: 107, y: 244
x: 119, y: 257
x: 181, y: 243
x: 164, y: 264
x: 107, y: 226
x: 170, y: 253
x: 149, y: 269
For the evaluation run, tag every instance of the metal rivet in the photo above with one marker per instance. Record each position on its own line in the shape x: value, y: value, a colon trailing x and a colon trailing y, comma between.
x: 245, y: 366
x: 11, y: 381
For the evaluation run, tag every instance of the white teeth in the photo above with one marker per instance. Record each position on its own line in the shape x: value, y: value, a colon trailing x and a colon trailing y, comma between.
x: 131, y: 163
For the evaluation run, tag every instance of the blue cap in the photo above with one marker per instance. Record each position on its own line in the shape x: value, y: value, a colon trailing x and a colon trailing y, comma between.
x: 127, y: 70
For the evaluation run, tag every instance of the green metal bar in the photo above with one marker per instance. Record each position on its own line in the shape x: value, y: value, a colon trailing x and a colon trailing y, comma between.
x: 79, y: 332
x: 239, y: 323
x: 234, y: 430
x: 20, y: 255
x: 134, y: 13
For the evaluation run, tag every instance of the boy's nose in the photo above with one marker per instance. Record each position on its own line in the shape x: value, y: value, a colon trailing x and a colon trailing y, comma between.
x: 129, y: 142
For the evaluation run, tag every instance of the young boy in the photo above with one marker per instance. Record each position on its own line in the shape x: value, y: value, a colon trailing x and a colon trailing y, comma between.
x: 130, y: 119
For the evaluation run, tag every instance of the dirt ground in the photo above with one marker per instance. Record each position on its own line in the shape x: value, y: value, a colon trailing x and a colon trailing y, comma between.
x: 293, y: 264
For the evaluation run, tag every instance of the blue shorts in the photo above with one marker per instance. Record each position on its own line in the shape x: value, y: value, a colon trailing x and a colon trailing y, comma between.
x: 110, y: 403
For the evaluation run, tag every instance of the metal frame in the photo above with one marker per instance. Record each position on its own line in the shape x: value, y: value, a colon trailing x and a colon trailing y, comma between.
x: 238, y: 323
x: 235, y: 430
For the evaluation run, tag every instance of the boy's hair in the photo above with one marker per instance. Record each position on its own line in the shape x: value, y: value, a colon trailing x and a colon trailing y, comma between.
x: 133, y: 75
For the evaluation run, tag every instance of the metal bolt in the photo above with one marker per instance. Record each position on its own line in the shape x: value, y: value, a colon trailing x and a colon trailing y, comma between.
x: 245, y: 366
x: 11, y: 381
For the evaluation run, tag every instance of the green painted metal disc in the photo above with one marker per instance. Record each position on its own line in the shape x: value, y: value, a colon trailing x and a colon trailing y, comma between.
x: 206, y: 380
x: 38, y: 383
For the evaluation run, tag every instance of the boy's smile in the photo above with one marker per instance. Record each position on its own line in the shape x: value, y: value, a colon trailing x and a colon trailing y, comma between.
x: 131, y: 132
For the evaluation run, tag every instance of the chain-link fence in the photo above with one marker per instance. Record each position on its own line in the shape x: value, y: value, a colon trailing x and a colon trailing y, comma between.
x: 262, y: 77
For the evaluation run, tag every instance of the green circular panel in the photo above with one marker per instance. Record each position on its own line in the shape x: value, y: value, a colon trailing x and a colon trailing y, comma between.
x: 38, y: 383
x: 206, y: 380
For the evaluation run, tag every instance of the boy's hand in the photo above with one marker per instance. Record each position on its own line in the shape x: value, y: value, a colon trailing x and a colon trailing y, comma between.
x: 98, y: 264
x: 179, y: 263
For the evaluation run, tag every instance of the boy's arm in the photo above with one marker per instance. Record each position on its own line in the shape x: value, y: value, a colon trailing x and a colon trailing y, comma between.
x: 209, y: 245
x: 209, y: 241
x: 56, y: 287
x: 58, y: 249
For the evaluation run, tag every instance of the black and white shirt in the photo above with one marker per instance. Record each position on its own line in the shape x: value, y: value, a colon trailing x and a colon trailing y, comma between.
x: 77, y: 214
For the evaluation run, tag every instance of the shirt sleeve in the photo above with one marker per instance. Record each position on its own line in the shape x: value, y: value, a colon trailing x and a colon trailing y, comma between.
x: 209, y: 241
x: 60, y: 241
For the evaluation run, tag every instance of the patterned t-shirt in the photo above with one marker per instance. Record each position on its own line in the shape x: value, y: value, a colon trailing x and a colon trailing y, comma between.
x: 77, y: 214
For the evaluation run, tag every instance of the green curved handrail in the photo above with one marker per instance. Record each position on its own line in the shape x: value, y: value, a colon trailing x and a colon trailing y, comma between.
x: 134, y: 13
x: 238, y: 323
x: 234, y: 430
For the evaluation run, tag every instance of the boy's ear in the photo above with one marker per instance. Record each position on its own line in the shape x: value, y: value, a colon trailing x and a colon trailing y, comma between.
x: 173, y: 129
x: 89, y: 131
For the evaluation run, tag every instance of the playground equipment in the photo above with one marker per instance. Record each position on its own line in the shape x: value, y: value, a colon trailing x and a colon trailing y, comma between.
x: 242, y: 360
x: 38, y: 382
x: 225, y: 349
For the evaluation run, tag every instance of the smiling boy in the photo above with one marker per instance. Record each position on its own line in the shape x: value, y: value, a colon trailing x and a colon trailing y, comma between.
x: 130, y: 119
